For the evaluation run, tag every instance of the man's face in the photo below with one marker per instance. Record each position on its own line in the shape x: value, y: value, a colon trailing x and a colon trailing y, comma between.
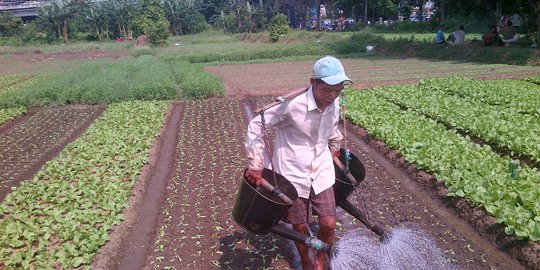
x: 325, y: 94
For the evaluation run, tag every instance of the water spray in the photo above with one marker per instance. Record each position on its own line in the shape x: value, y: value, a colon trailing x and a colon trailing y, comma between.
x: 396, y: 248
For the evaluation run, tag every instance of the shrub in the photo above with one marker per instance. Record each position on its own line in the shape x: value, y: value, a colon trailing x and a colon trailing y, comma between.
x: 158, y: 32
x: 141, y: 50
x: 278, y: 27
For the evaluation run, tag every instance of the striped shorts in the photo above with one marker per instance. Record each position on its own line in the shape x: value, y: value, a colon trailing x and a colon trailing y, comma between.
x: 323, y: 205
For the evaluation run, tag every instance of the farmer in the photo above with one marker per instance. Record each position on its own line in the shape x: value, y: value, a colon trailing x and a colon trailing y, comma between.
x: 307, y: 137
x: 439, y: 36
x: 492, y: 37
x: 509, y: 34
x: 457, y: 37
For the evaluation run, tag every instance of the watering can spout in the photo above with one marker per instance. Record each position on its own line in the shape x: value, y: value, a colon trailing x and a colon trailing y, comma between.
x: 310, y: 242
x: 376, y: 228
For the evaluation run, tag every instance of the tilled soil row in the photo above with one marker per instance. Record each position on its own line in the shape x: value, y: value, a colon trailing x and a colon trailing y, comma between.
x: 195, y: 228
x: 29, y: 141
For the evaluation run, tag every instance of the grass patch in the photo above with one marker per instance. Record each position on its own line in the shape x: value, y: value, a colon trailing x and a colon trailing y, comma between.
x: 108, y: 81
x: 69, y: 47
x: 472, y: 52
x: 427, y: 37
x: 141, y: 50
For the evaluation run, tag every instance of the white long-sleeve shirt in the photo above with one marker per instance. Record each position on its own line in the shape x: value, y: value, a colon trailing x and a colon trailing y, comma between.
x: 303, y: 136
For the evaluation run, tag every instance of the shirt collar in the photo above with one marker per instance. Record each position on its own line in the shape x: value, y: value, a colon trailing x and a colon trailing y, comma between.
x: 311, y: 104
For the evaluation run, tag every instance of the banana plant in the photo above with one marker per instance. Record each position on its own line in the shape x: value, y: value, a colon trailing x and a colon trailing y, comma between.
x: 56, y: 16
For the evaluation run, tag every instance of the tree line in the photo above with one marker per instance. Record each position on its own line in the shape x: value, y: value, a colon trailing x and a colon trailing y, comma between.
x: 108, y: 19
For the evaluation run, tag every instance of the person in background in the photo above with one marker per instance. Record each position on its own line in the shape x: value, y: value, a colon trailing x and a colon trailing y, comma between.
x: 439, y: 36
x: 492, y: 37
x: 509, y: 34
x: 457, y: 37
x: 306, y: 139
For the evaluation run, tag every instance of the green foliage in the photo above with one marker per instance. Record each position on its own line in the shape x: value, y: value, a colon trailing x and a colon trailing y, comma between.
x: 404, y: 27
x: 141, y: 50
x: 148, y: 17
x: 184, y: 16
x: 146, y: 77
x: 56, y: 18
x: 473, y: 106
x: 278, y: 27
x: 10, y: 113
x: 471, y: 53
x: 61, y: 217
x: 102, y: 82
x: 158, y: 32
x: 468, y: 170
x: 194, y: 82
x: 9, y: 25
x: 534, y: 79
x: 260, y: 52
x: 358, y: 43
x: 14, y: 32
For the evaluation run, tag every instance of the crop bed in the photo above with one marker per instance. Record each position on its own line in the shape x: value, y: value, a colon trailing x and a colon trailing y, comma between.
x: 31, y: 140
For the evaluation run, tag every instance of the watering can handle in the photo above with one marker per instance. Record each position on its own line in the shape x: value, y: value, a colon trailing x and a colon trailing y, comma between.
x: 275, y: 191
x: 344, y: 170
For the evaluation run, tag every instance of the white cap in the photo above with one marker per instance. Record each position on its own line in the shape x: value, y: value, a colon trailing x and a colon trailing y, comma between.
x: 330, y: 70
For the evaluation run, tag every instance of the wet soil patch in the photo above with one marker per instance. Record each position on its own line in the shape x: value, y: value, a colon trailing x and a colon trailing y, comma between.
x: 29, y: 141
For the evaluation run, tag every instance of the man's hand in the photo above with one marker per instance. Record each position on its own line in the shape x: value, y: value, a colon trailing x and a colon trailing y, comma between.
x: 254, y: 176
x: 336, y: 153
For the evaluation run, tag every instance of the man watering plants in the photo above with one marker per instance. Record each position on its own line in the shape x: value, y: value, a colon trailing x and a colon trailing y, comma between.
x: 306, y: 138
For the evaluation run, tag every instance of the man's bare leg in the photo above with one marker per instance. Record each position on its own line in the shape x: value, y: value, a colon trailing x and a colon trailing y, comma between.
x: 326, y: 234
x: 303, y: 250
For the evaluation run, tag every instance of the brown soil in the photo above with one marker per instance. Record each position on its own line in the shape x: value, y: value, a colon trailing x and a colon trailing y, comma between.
x: 274, y: 79
x: 29, y: 141
x: 37, y: 62
x: 94, y: 54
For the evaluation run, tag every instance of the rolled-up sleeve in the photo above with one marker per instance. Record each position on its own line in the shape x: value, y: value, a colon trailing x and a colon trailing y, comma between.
x: 335, y: 138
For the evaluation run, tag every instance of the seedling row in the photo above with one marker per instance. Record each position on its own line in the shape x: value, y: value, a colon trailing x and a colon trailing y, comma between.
x: 469, y: 170
x: 501, y: 125
x: 61, y: 217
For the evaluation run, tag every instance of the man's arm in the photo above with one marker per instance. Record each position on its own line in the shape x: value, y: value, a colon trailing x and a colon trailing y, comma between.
x: 335, y: 137
x: 255, y: 143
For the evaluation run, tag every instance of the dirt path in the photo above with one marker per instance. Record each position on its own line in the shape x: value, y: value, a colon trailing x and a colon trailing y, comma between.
x: 37, y: 62
x: 274, y: 79
x: 29, y: 141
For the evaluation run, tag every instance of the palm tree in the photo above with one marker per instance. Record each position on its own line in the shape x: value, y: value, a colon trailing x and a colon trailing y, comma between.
x: 97, y: 16
x: 57, y: 16
x: 119, y: 10
x: 178, y: 11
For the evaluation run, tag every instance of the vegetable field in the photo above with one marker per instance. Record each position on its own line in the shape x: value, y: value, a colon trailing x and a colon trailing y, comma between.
x: 88, y: 186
